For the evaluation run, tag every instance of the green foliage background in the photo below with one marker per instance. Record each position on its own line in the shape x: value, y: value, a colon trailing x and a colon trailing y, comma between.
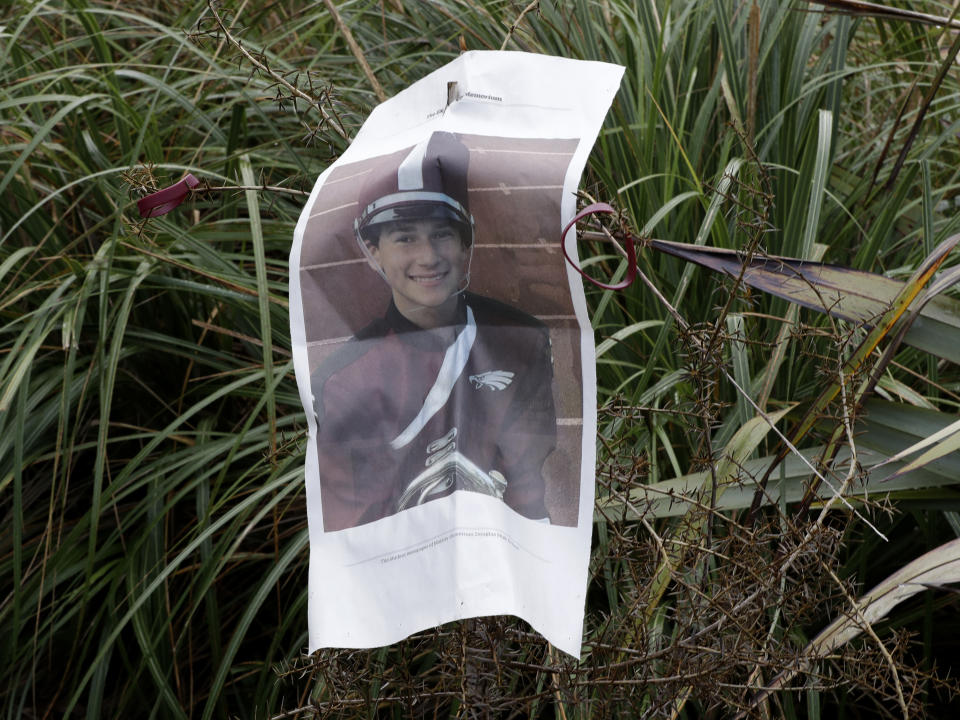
x: 151, y: 436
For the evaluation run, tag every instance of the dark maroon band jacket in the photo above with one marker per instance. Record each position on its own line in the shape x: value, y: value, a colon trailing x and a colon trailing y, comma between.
x: 378, y: 431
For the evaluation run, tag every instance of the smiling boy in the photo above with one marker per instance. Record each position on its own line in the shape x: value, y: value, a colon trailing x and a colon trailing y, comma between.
x: 422, y: 261
x: 448, y: 391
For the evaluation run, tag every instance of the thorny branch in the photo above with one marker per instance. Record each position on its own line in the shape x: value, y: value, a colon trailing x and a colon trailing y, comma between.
x: 534, y: 5
x: 259, y: 62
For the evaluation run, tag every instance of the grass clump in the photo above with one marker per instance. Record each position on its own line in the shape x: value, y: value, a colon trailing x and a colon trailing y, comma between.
x: 151, y: 434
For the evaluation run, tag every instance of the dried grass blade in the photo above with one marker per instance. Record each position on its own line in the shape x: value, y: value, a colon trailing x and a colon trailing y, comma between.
x: 886, y: 12
x: 939, y: 567
x: 945, y: 67
x: 841, y: 292
x: 944, y: 442
x: 898, y: 307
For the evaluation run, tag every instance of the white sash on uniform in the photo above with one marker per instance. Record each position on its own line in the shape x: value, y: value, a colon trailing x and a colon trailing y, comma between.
x: 454, y: 361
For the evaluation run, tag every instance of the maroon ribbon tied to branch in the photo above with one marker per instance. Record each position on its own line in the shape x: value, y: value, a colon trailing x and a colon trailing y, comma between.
x: 595, y: 209
x: 163, y: 201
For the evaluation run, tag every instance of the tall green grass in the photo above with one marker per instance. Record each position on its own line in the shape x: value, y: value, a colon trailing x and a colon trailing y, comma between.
x: 151, y: 437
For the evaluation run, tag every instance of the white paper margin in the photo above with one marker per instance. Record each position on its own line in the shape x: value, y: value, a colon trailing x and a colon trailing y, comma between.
x: 466, y: 555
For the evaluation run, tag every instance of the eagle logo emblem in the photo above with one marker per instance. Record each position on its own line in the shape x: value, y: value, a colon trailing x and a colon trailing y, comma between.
x: 494, y: 379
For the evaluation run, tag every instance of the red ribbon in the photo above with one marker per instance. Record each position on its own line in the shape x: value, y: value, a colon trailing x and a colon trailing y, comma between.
x: 163, y: 201
x: 594, y: 209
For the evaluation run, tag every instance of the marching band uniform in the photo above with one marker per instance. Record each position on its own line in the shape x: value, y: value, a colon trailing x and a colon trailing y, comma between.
x: 394, y: 402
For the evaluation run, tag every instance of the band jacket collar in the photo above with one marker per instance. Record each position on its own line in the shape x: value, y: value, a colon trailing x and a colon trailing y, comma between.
x: 418, y: 337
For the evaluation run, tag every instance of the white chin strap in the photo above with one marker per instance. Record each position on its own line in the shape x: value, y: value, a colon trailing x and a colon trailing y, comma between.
x: 454, y: 361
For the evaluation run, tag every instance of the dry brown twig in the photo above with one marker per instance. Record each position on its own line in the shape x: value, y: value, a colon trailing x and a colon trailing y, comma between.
x: 258, y: 61
x: 534, y: 5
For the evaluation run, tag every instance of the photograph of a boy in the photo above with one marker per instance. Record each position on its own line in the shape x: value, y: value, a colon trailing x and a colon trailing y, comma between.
x: 446, y: 391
